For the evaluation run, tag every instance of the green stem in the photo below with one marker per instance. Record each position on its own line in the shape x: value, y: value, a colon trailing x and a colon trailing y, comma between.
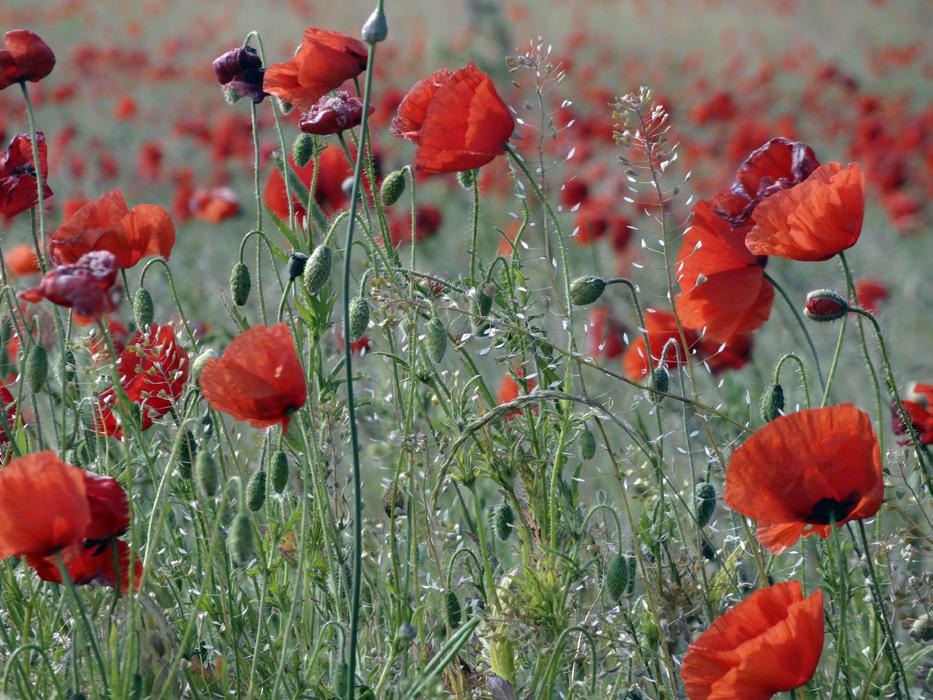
x: 79, y: 610
x: 42, y: 249
x: 803, y: 326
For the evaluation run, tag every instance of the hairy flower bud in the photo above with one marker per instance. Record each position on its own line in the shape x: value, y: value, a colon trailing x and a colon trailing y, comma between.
x: 435, y: 337
x: 705, y: 503
x: 240, y: 540
x: 36, y: 369
x: 466, y: 178
x: 503, y: 521
x: 198, y: 365
x: 187, y: 451
x: 303, y: 149
x: 317, y: 269
x: 278, y: 473
x: 660, y: 381
x: 772, y: 402
x: 825, y: 305
x: 206, y: 475
x: 143, y: 309
x: 240, y: 284
x: 392, y: 187
x: 587, y: 289
x: 359, y: 317
x: 453, y: 609
x: 587, y: 445
x: 617, y: 575
x: 256, y: 490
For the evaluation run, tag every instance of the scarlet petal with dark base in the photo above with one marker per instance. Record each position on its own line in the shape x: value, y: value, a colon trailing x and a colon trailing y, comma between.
x: 258, y: 378
x: 92, y: 564
x: 803, y: 470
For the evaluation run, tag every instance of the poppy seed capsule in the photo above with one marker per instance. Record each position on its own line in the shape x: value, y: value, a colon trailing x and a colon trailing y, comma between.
x: 587, y: 289
x: 825, y: 305
x: 256, y: 490
x: 587, y: 445
x: 278, y: 474
x: 240, y: 283
x: 504, y: 521
x: 240, y: 539
x: 303, y: 149
x: 296, y: 265
x: 205, y: 473
x: 392, y: 188
x: 317, y: 269
x: 617, y: 575
x: 772, y: 403
x: 706, y: 503
x: 435, y: 337
x: 36, y: 369
x: 453, y: 609
x: 359, y: 317
x: 143, y: 308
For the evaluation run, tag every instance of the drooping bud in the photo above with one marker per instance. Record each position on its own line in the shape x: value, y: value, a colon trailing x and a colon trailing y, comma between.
x: 296, y: 265
x: 359, y: 317
x: 278, y: 473
x: 453, y: 609
x: 317, y: 269
x: 303, y: 149
x: 466, y: 178
x: 660, y: 381
x: 706, y: 503
x: 504, y: 521
x: 240, y: 540
x: 392, y: 187
x: 36, y: 369
x: 240, y: 284
x: 587, y: 445
x: 205, y: 473
x: 617, y: 577
x: 825, y: 305
x: 772, y: 402
x: 143, y: 308
x: 587, y: 289
x: 435, y: 337
x: 376, y: 28
x: 256, y: 490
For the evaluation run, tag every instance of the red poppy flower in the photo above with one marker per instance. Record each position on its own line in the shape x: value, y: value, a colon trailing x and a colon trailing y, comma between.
x: 109, y: 507
x: 814, y: 220
x: 92, y: 563
x: 768, y: 643
x: 604, y: 334
x: 26, y: 57
x: 801, y: 470
x: 8, y: 408
x: 723, y: 288
x: 777, y: 165
x: 457, y: 119
x: 215, y: 205
x: 323, y: 62
x: 18, y: 188
x: 153, y: 370
x: 258, y: 378
x: 598, y: 217
x: 510, y: 389
x: 107, y: 223
x: 428, y: 220
x: 333, y: 114
x: 21, y: 260
x: 334, y: 169
x: 86, y: 286
x: 869, y: 293
x: 43, y: 505
x: 917, y: 403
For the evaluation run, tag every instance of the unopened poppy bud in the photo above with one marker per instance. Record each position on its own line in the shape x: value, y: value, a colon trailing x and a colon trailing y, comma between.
x: 187, y: 450
x: 278, y: 473
x: 435, y: 337
x: 317, y: 269
x: 772, y: 402
x: 240, y: 540
x: 296, y: 265
x: 706, y: 503
x: 359, y: 317
x: 617, y: 574
x: 660, y: 382
x: 453, y: 609
x: 587, y: 445
x: 652, y: 633
x: 466, y: 178
x: 36, y: 369
x: 240, y: 284
x: 392, y: 188
x: 143, y: 308
x: 376, y: 28
x: 393, y: 501
x: 256, y: 490
x: 504, y: 521
x: 205, y: 473
x: 200, y: 361
x: 303, y: 149
x: 587, y: 289
x: 825, y: 305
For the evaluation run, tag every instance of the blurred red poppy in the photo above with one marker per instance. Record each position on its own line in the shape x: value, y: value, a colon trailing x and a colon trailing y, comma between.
x: 428, y: 220
x: 918, y: 403
x: 215, y: 205
x: 457, y: 119
x: 109, y: 507
x: 18, y: 188
x: 86, y: 286
x: 21, y: 260
x: 604, y: 334
x: 323, y: 62
x: 26, y: 57
x: 108, y: 224
x: 333, y: 114
x: 258, y: 378
x: 802, y: 470
x: 770, y: 642
x: 92, y: 563
x: 329, y: 194
x: 510, y: 389
x: 869, y: 293
x: 8, y: 410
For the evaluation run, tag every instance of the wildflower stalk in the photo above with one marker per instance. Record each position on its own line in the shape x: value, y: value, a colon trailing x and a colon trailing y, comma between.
x: 776, y: 377
x: 474, y: 190
x: 41, y: 244
x: 803, y: 327
x: 82, y: 614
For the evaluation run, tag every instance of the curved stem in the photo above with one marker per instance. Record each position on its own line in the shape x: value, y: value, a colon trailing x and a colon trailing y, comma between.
x: 803, y: 326
x: 803, y: 373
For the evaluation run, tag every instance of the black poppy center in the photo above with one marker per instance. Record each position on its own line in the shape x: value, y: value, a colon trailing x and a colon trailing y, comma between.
x: 827, y: 510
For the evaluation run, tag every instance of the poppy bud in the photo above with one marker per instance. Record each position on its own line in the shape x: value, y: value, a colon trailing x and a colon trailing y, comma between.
x: 706, y: 503
x: 587, y: 289
x: 652, y: 633
x: 392, y: 187
x: 187, y: 449
x: 825, y: 305
x: 504, y: 521
x: 587, y: 445
x: 466, y: 178
x: 359, y: 317
x: 240, y: 284
x: 660, y: 382
x: 240, y: 72
x: 26, y: 57
x: 205, y: 473
x: 922, y: 628
x: 772, y: 402
x: 256, y: 490
x: 143, y: 308
x: 36, y: 369
x: 296, y: 265
x: 303, y: 149
x: 198, y: 365
x: 453, y: 609
x: 617, y: 575
x: 435, y: 336
x: 376, y: 28
x: 317, y: 269
x: 240, y: 539
x: 278, y: 474
x: 480, y: 306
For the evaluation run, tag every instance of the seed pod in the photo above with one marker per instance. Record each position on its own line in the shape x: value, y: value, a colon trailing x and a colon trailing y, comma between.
x: 435, y: 337
x: 587, y: 445
x: 466, y: 178
x: 187, y: 451
x: 198, y: 365
x: 359, y: 317
x: 706, y: 503
x: 452, y: 607
x: 256, y: 490
x: 825, y: 305
x: 587, y: 289
x: 317, y: 269
x: 302, y: 149
x: 772, y: 402
x: 143, y: 308
x: 240, y: 540
x: 205, y: 473
x: 392, y: 188
x: 617, y: 578
x: 660, y: 381
x: 296, y: 265
x: 278, y: 474
x: 240, y: 284
x: 376, y: 28
x: 393, y: 503
x: 632, y: 563
x: 36, y: 369
x: 504, y: 521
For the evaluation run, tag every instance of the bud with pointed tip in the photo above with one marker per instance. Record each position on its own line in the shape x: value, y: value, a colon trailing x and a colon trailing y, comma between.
x: 587, y: 445
x: 143, y: 308
x: 278, y: 473
x: 317, y: 269
x: 256, y: 490
x: 660, y: 382
x: 617, y: 577
x: 302, y: 149
x: 435, y: 337
x: 359, y: 317
x: 504, y: 521
x: 453, y: 609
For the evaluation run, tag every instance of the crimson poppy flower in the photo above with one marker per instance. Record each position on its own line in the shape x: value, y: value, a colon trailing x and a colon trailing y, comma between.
x: 240, y: 70
x: 333, y: 170
x: 869, y: 293
x: 108, y: 224
x: 86, y: 286
x: 812, y: 221
x: 43, y: 506
x: 428, y: 220
x: 723, y: 288
x: 917, y: 403
x: 215, y: 205
x: 604, y: 334
x: 92, y: 563
x: 457, y: 119
x: 598, y: 217
x: 258, y: 378
x: 770, y: 642
x: 802, y: 470
x: 323, y: 62
x: 333, y: 114
x: 775, y: 166
x: 153, y: 370
x: 26, y: 57
x: 18, y: 188
x: 21, y: 260
x: 8, y: 408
